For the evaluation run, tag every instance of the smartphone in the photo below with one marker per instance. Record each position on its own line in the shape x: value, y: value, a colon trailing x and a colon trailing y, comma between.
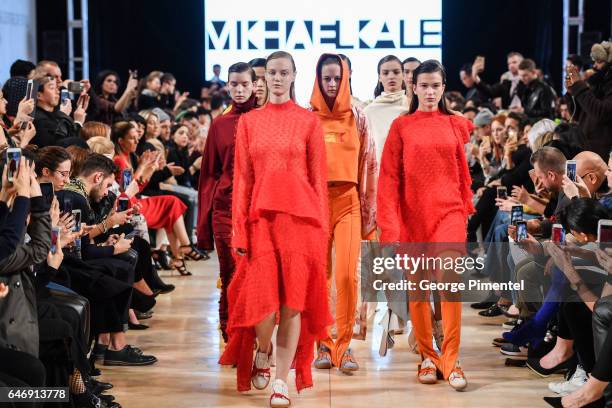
x: 481, y: 59
x: 75, y: 87
x: 512, y: 136
x: 30, y: 89
x: 55, y: 239
x: 77, y: 220
x: 521, y: 230
x: 570, y: 169
x: 123, y: 204
x: 126, y: 178
x: 131, y: 234
x: 67, y: 208
x: 47, y: 191
x: 558, y: 234
x: 13, y: 157
x: 64, y: 96
x: 516, y: 214
x: 502, y: 192
x: 604, y: 233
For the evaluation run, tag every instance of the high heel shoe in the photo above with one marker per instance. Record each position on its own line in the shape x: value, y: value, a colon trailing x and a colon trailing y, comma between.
x: 180, y: 267
x: 194, y: 254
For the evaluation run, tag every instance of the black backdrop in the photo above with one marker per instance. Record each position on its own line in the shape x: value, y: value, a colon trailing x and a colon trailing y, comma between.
x: 169, y: 34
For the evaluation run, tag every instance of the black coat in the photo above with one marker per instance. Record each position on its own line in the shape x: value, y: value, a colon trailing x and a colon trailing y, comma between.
x: 18, y: 315
x: 595, y: 118
x: 51, y: 127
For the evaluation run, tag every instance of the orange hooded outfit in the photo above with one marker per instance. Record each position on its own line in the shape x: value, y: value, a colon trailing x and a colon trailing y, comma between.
x: 352, y: 180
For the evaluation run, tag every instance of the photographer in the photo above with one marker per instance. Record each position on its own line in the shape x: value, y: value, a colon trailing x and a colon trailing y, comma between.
x: 594, y: 98
x: 54, y: 125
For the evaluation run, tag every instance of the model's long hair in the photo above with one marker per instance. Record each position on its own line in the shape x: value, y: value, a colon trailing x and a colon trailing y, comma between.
x: 283, y: 54
x: 429, y: 67
x: 379, y: 86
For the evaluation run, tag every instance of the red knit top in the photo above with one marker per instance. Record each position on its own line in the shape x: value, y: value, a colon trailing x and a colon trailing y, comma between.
x: 279, y: 167
x: 423, y: 177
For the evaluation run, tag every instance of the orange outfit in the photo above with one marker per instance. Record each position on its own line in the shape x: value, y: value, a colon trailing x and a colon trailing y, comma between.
x: 351, y: 163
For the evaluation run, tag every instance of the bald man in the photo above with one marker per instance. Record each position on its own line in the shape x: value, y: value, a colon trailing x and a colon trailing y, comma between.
x: 591, y: 168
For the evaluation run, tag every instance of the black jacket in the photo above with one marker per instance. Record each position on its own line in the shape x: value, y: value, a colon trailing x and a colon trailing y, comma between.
x: 51, y: 127
x: 501, y: 90
x: 595, y: 118
x: 538, y: 100
x: 18, y: 316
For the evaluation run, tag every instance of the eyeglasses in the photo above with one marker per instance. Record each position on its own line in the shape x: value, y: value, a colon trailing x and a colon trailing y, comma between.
x: 65, y: 174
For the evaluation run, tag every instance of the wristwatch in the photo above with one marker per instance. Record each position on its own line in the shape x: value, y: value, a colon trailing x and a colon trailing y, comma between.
x: 576, y: 286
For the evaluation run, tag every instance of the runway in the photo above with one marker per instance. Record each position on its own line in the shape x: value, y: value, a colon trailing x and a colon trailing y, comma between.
x: 184, y: 337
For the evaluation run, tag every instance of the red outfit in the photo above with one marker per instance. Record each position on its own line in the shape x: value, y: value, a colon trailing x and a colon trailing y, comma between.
x: 159, y: 211
x: 215, y: 196
x: 424, y: 196
x: 424, y: 184
x: 280, y: 216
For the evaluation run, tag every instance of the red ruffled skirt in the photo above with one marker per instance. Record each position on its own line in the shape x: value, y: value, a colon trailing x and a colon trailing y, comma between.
x: 162, y: 211
x: 285, y: 265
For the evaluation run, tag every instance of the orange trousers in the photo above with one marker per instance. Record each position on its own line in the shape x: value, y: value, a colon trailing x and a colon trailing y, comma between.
x: 345, y: 235
x: 420, y: 314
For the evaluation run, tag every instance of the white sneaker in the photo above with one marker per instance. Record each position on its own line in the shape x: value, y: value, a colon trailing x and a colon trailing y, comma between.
x: 280, y: 394
x: 457, y: 379
x: 260, y: 375
x: 428, y: 373
x: 576, y: 381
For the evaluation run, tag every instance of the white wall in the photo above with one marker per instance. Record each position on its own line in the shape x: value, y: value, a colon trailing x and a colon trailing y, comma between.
x: 17, y: 33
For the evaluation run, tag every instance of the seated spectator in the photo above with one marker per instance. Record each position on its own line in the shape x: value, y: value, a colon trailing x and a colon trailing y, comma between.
x: 148, y: 97
x: 53, y: 125
x: 94, y: 129
x: 491, y: 151
x: 162, y: 210
x: 109, y: 109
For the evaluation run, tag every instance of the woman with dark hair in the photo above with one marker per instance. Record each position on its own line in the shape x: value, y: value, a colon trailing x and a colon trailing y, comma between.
x: 390, y: 100
x: 148, y: 95
x: 161, y: 211
x: 424, y: 196
x: 280, y: 232
x: 106, y: 88
x: 351, y: 183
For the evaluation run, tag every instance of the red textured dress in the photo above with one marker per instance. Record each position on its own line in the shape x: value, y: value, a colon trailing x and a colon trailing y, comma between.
x: 424, y: 197
x: 280, y: 216
x: 424, y: 190
x: 158, y: 211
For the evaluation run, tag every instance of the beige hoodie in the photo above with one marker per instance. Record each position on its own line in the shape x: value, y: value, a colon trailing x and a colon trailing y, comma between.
x: 382, y: 112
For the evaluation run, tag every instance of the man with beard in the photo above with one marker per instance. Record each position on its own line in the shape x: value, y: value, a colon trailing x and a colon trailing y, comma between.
x: 216, y: 184
x: 594, y: 98
x: 88, y: 188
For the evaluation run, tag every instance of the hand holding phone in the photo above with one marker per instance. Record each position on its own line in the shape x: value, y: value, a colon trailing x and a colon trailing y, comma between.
x: 570, y: 169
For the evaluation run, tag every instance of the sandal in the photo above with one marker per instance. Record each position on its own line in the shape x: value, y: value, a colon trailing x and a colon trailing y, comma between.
x: 194, y: 254
x: 180, y: 267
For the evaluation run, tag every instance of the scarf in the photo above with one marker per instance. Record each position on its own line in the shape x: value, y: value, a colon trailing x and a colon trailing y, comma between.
x: 77, y: 186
